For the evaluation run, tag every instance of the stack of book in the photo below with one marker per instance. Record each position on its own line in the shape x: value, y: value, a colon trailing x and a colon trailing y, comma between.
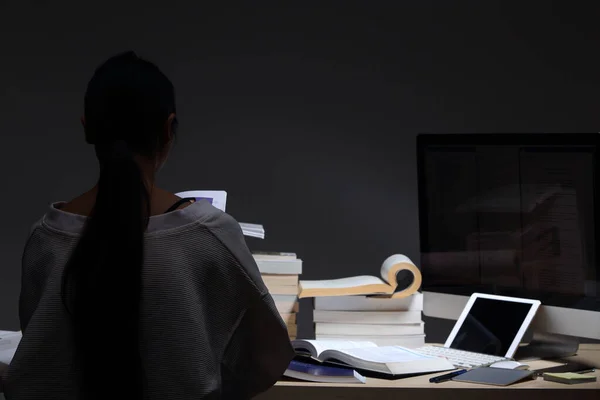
x: 280, y: 272
x: 382, y: 320
x: 369, y: 308
x: 253, y: 230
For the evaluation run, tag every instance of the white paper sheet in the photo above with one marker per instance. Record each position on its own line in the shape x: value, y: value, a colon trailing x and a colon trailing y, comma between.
x: 217, y: 198
x: 388, y: 354
x: 6, y: 356
x: 322, y: 345
x: 9, y: 340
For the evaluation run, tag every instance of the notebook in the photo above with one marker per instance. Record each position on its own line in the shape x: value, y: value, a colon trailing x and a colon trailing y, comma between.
x: 569, y: 378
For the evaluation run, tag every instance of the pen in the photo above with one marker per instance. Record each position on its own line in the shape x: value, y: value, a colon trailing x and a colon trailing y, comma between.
x: 447, y: 377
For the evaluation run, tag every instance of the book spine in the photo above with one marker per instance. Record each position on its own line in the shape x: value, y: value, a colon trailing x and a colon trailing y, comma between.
x: 370, y: 330
x: 373, y: 317
x: 292, y: 330
x: 283, y: 290
x: 365, y: 303
x: 280, y: 267
x: 287, y: 307
x: 280, y: 279
x: 288, y: 318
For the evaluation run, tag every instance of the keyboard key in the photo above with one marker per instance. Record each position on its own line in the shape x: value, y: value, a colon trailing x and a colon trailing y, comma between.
x: 459, y: 357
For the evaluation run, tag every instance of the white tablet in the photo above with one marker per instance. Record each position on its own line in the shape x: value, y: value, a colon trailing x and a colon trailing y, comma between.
x: 492, y: 324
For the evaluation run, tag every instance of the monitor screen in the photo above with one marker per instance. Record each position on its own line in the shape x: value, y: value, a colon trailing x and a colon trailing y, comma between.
x: 483, y: 332
x: 510, y: 215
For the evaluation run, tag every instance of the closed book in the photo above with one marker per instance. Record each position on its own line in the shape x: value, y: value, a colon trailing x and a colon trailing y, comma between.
x: 284, y: 298
x: 287, y: 307
x: 289, y: 290
x: 322, y: 328
x: 368, y: 317
x: 288, y: 318
x: 280, y: 267
x: 274, y: 255
x: 322, y: 373
x: 292, y: 329
x: 253, y: 230
x: 369, y: 303
x: 569, y: 378
x: 280, y: 280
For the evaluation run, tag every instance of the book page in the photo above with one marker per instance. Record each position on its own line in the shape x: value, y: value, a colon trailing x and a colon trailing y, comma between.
x: 355, y: 281
x: 9, y: 340
x: 387, y: 354
x: 7, y: 355
x: 391, y: 264
x: 396, y: 263
x: 323, y: 345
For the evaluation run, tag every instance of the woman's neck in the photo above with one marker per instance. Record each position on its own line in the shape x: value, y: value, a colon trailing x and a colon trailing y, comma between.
x: 160, y: 201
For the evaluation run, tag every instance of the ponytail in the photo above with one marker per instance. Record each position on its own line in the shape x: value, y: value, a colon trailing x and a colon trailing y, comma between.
x: 102, y: 281
x: 127, y: 104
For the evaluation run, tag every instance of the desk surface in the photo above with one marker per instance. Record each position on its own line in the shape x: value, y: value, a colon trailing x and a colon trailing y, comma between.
x: 420, y: 388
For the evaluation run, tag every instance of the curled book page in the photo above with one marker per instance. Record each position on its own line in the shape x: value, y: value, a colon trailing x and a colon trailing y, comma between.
x: 389, y: 272
x: 354, y: 285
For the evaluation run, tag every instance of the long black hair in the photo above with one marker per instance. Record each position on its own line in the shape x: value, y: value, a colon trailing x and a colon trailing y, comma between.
x: 127, y: 107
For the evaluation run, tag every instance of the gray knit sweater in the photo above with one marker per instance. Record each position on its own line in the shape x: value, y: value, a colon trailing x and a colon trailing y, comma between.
x: 209, y: 328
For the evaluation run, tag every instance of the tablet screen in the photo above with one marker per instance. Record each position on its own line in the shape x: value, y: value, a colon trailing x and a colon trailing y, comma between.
x: 490, y: 326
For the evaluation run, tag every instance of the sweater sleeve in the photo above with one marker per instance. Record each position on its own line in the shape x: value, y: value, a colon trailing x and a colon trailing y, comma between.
x: 32, y: 281
x: 259, y: 349
x: 258, y: 352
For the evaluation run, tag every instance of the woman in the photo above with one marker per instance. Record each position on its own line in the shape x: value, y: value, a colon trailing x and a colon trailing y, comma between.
x: 129, y: 292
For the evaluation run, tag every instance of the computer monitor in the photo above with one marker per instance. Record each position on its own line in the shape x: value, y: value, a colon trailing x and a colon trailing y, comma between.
x: 512, y: 215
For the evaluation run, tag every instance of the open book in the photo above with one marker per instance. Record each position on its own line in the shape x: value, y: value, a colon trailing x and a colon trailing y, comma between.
x: 367, y: 357
x: 365, y: 284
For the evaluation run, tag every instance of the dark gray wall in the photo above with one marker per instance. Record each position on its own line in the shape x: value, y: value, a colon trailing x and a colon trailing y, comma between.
x: 307, y: 117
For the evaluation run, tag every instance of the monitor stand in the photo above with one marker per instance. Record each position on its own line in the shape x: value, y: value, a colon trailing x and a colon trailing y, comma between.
x: 544, y: 345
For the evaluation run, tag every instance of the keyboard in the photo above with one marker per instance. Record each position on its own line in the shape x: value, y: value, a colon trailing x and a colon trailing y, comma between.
x: 460, y: 358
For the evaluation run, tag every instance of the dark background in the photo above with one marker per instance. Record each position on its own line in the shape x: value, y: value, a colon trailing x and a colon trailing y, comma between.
x: 306, y: 115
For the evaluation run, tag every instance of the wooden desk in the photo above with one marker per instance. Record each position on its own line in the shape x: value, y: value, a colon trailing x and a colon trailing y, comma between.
x: 419, y: 388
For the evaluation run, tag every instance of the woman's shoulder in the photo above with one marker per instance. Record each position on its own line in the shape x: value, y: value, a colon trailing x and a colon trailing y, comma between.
x: 204, y: 234
x: 200, y: 214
